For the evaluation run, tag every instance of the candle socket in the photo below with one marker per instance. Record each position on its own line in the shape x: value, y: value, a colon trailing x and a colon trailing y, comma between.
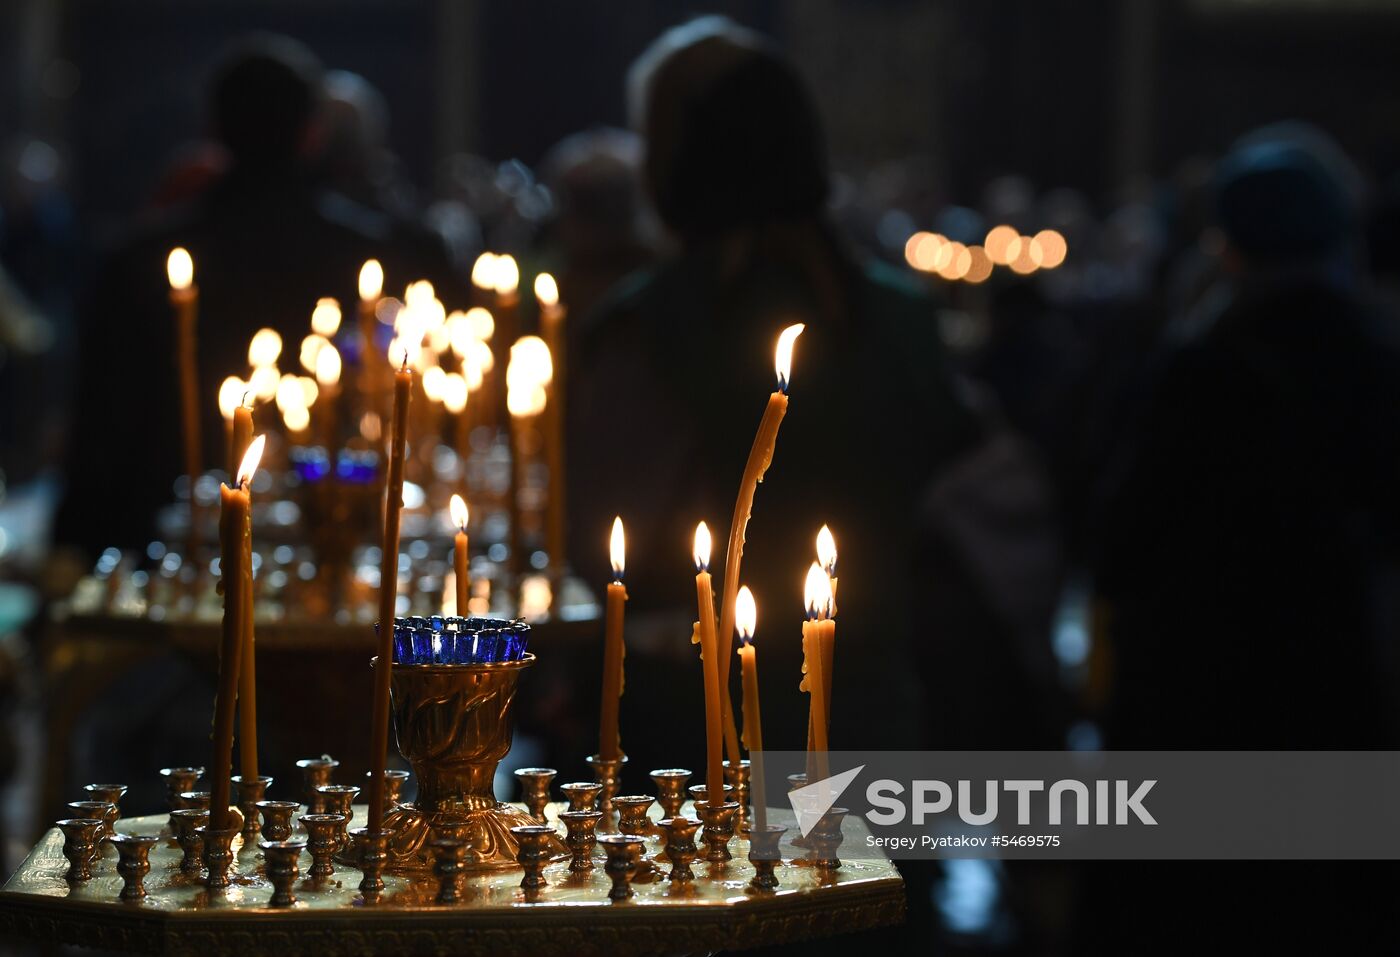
x: 624, y: 854
x: 282, y: 869
x: 581, y: 836
x: 765, y: 855
x: 680, y: 846
x: 112, y: 794
x: 449, y: 864
x: 198, y: 800
x: 323, y: 837
x: 393, y: 786
x: 277, y: 819
x: 104, y: 812
x: 250, y: 792
x: 700, y: 793
x: 339, y: 799
x: 719, y: 829
x: 737, y: 776
x: 373, y: 846
x: 532, y: 852
x: 177, y: 781
x: 218, y: 855
x: 632, y: 814
x: 534, y: 789
x: 608, y: 773
x: 314, y: 773
x: 189, y: 825
x: 795, y: 781
x: 80, y: 835
x: 134, y: 862
x: 582, y: 796
x: 670, y: 789
x: 825, y: 839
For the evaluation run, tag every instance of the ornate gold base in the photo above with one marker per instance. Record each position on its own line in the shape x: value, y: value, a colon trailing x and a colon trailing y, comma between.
x: 486, y: 831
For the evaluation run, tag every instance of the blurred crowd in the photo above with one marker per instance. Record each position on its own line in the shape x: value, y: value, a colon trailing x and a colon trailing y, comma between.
x: 1142, y: 499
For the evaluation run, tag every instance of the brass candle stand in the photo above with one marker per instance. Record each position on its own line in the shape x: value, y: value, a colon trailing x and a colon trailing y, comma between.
x: 534, y: 789
x: 249, y: 792
x: 670, y: 789
x: 79, y: 845
x: 608, y: 773
x: 134, y: 862
x: 737, y: 777
x: 277, y: 819
x: 314, y: 773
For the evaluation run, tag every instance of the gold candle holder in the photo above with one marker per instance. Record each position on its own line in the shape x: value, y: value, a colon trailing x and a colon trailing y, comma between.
x: 112, y: 794
x: 80, y: 835
x: 582, y: 795
x: 533, y: 852
x: 177, y: 781
x: 282, y: 871
x: 581, y: 837
x: 534, y: 789
x: 323, y: 838
x: 373, y: 847
x: 134, y: 862
x: 608, y: 773
x: 189, y: 824
x: 737, y: 777
x: 795, y: 781
x: 339, y: 799
x: 680, y: 846
x: 194, y: 799
x: 250, y: 792
x: 825, y: 839
x: 277, y: 819
x: 670, y: 789
x: 624, y: 854
x: 104, y: 811
x: 450, y: 857
x: 218, y: 855
x: 314, y: 773
x: 393, y: 786
x: 765, y: 855
x: 719, y: 829
x: 632, y: 814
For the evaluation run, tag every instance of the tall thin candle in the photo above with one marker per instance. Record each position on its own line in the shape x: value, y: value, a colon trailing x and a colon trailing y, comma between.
x: 460, y: 563
x: 371, y: 286
x: 247, y: 664
x: 184, y: 298
x: 388, y: 591
x: 817, y: 598
x: 552, y: 331
x: 709, y: 655
x: 746, y: 620
x: 609, y: 740
x: 760, y: 457
x: 233, y: 527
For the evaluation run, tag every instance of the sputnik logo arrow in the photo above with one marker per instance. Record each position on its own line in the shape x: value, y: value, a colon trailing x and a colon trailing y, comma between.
x: 813, y: 800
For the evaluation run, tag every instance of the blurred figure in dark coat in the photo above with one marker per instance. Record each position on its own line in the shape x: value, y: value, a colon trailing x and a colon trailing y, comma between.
x: 267, y: 241
x: 1245, y: 539
x: 673, y: 378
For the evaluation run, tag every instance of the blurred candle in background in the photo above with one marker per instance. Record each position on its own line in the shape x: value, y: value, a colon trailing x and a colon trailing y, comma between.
x: 552, y: 331
x: 184, y: 298
x: 460, y: 562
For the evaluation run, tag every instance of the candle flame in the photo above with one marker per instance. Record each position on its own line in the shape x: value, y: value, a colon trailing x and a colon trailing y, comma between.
x: 506, y: 276
x: 617, y: 549
x: 782, y: 356
x: 484, y: 271
x: 454, y: 393
x: 251, y: 458
x: 325, y: 318
x: 264, y: 348
x: 179, y: 268
x: 526, y: 399
x: 481, y: 323
x: 530, y: 363
x: 311, y: 346
x: 328, y: 365
x: 745, y: 614
x: 546, y: 290
x: 434, y: 379
x: 817, y: 592
x: 371, y: 280
x: 458, y: 508
x: 231, y: 392
x: 398, y: 354
x: 702, y: 547
x: 296, y: 418
x: 826, y: 550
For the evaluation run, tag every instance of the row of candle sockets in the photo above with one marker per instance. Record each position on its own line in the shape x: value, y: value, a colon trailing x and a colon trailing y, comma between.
x: 452, y: 640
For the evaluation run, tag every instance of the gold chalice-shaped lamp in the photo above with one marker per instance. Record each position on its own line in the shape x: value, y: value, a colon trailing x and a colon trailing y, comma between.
x: 453, y: 722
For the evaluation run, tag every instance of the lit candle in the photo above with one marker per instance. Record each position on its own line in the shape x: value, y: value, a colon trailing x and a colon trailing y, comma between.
x: 609, y: 741
x: 760, y: 456
x: 248, y: 666
x: 236, y: 406
x: 458, y: 507
x: 388, y: 589
x: 527, y: 375
x: 746, y: 619
x: 328, y: 379
x: 505, y: 284
x: 826, y: 557
x: 184, y: 298
x: 552, y: 330
x: 709, y: 661
x: 817, y: 598
x: 371, y: 286
x: 236, y: 575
